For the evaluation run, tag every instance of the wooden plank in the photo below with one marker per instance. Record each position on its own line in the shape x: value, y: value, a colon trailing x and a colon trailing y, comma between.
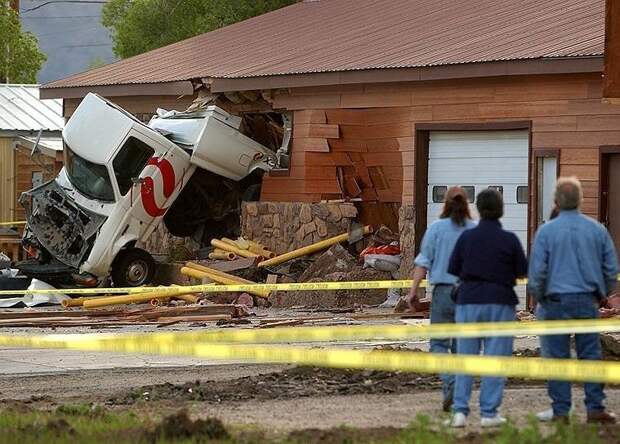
x: 579, y: 156
x: 575, y: 139
x: 327, y: 131
x: 555, y: 123
x: 333, y: 158
x: 380, y: 131
x: 320, y: 101
x: 311, y: 144
x: 237, y: 264
x: 583, y: 172
x: 346, y: 116
x: 382, y: 145
x: 449, y: 93
x: 310, y: 116
x: 348, y: 144
x: 315, y: 173
x: 371, y: 100
x: 598, y: 123
x: 381, y: 159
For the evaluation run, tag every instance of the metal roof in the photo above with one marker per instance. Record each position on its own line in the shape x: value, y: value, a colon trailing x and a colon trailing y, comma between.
x: 345, y: 35
x: 22, y: 110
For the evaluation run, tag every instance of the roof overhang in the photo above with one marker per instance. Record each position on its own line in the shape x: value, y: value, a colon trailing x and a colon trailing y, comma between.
x: 443, y: 72
x: 384, y: 75
x: 180, y: 88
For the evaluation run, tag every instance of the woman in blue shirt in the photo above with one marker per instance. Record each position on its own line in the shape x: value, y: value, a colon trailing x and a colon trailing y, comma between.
x: 437, y: 246
x: 488, y: 260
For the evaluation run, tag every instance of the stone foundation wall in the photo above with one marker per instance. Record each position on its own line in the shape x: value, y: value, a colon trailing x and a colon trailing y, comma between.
x: 285, y: 226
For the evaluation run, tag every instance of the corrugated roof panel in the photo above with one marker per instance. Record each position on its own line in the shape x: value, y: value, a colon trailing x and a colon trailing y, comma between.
x: 22, y: 110
x: 344, y: 35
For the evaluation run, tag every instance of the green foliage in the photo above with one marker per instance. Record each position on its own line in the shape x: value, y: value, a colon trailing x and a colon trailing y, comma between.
x: 138, y: 26
x: 20, y: 56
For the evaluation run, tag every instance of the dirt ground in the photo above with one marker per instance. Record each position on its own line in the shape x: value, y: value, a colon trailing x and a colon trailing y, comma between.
x: 280, y: 398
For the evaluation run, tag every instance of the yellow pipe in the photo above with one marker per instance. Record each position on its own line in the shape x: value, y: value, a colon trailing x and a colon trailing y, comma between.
x: 261, y: 251
x: 226, y: 280
x: 242, y: 243
x: 77, y: 302
x: 208, y: 270
x: 313, y: 248
x: 227, y: 247
x: 189, y: 298
x: 131, y: 298
x: 227, y: 256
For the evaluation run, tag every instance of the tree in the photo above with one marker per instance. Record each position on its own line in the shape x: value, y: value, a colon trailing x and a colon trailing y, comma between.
x: 20, y: 56
x: 138, y: 26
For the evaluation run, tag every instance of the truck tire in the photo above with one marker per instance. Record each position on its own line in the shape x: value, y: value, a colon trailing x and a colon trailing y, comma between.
x: 133, y: 267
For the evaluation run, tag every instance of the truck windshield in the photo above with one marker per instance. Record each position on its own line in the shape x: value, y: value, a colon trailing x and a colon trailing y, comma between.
x: 90, y: 179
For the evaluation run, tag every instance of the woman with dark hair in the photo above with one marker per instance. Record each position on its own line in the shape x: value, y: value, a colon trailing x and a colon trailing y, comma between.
x: 488, y: 260
x: 437, y: 246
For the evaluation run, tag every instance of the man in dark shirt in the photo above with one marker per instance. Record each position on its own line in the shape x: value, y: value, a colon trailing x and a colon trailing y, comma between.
x: 488, y: 260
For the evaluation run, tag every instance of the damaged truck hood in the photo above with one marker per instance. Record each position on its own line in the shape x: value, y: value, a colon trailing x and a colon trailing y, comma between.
x: 63, y: 228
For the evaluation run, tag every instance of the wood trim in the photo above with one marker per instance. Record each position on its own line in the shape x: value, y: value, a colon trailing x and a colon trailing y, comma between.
x: 422, y: 138
x: 181, y: 88
x: 603, y: 178
x: 538, y: 153
x: 565, y: 65
x: 476, y: 126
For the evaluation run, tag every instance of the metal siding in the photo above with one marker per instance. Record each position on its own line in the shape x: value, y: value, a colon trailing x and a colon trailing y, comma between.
x: 22, y: 110
x: 7, y: 179
x: 347, y: 35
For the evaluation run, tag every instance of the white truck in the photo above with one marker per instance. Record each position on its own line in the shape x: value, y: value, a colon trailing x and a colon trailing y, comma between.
x: 119, y: 179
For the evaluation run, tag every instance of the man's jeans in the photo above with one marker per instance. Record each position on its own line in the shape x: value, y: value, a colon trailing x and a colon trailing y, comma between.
x: 588, y: 345
x: 491, y: 388
x: 442, y: 312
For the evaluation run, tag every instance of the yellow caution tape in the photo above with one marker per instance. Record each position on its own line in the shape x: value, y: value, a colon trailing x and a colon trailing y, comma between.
x: 241, y: 288
x: 533, y: 368
x: 210, y: 288
x: 345, y: 333
x: 10, y: 224
x: 392, y: 332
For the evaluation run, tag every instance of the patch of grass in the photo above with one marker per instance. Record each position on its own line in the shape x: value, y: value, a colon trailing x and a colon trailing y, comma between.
x: 86, y: 423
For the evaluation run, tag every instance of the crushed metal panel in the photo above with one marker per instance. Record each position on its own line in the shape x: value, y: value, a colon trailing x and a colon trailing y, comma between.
x: 611, y: 83
x: 60, y: 226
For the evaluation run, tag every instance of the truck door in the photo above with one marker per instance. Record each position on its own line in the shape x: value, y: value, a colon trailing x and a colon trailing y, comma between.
x: 149, y: 176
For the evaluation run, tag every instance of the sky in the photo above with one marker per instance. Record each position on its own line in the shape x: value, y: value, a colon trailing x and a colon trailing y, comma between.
x: 70, y: 34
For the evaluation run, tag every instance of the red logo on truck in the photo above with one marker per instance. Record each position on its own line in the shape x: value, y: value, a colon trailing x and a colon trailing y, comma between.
x: 147, y: 189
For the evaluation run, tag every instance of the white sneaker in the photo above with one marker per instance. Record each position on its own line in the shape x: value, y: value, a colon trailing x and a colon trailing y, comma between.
x: 457, y: 421
x: 495, y: 421
x: 545, y: 415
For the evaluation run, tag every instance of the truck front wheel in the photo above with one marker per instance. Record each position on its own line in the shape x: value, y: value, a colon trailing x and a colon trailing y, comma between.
x: 133, y: 267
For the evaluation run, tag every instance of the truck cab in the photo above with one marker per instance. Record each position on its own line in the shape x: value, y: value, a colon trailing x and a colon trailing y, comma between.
x: 119, y: 180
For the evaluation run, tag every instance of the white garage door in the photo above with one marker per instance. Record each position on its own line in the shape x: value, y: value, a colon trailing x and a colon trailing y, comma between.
x: 477, y: 160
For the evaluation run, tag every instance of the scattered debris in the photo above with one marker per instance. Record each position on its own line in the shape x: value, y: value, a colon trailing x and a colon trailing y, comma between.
x: 116, y: 318
x: 296, y: 382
